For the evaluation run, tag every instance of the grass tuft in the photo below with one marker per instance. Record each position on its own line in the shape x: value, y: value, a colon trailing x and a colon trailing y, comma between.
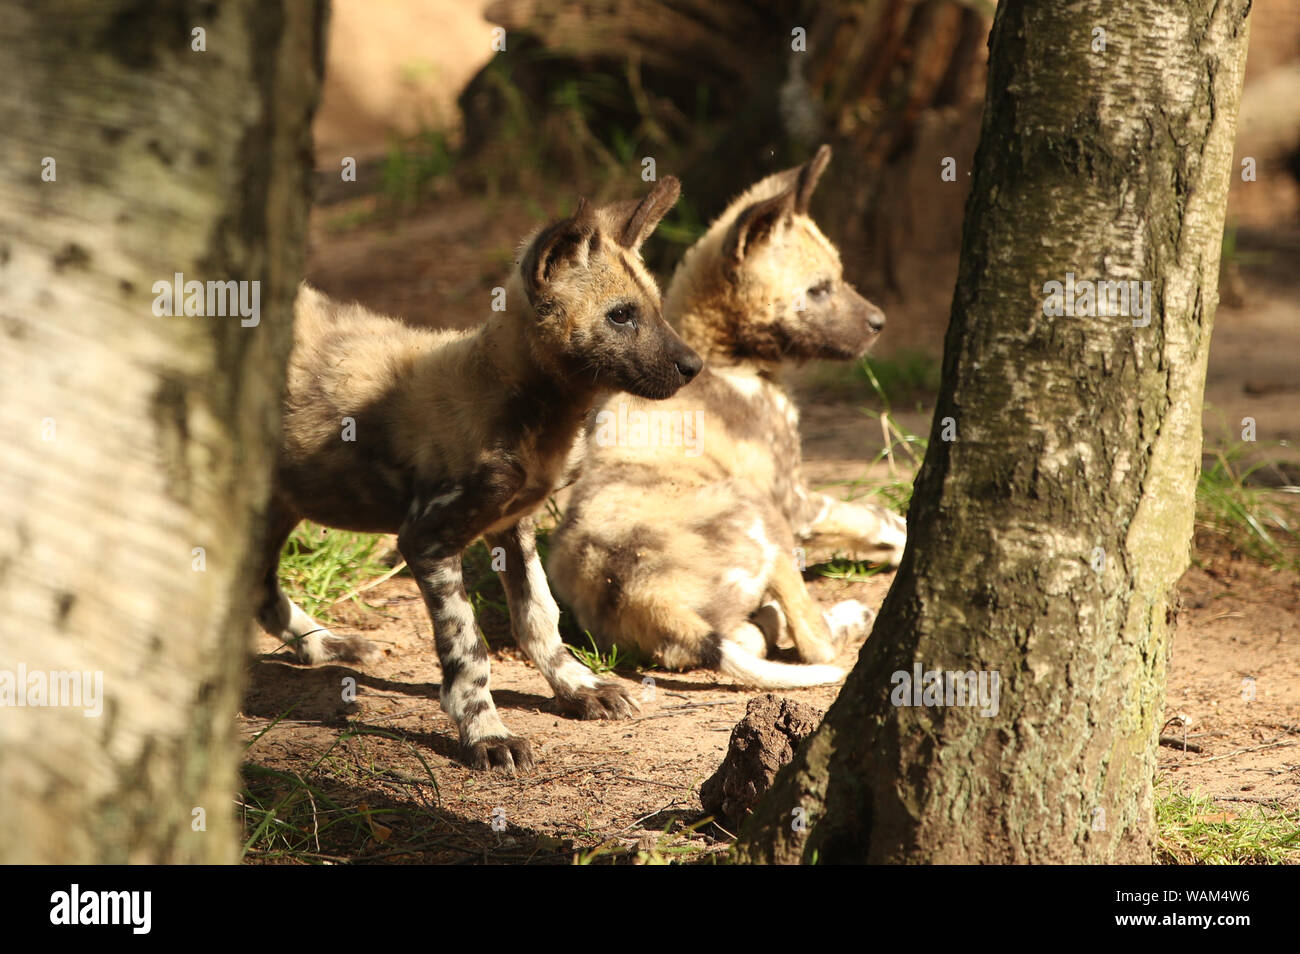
x: 320, y: 566
x: 842, y: 568
x: 1250, y: 517
x: 412, y: 166
x: 1195, y: 830
x: 601, y: 663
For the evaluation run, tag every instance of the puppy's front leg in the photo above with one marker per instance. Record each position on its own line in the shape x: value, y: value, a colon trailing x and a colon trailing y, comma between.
x: 867, y: 531
x: 534, y: 619
x: 432, y: 550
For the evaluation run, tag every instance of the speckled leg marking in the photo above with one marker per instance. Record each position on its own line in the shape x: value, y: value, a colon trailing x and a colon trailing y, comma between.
x: 534, y: 619
x: 431, y: 541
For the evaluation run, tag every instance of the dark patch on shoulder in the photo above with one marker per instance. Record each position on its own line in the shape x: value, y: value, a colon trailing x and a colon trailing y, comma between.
x: 727, y: 406
x: 548, y: 409
x: 718, y: 529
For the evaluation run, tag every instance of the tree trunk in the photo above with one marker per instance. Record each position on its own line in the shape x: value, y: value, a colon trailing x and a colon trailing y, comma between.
x: 138, y: 445
x: 1046, y: 540
x: 724, y: 92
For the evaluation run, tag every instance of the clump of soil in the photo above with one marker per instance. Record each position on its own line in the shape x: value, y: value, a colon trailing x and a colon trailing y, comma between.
x: 762, y: 742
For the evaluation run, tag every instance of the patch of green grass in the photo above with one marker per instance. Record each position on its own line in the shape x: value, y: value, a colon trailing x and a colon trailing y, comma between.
x: 1194, y: 830
x: 1233, y: 255
x: 597, y: 661
x: 842, y: 568
x: 683, y: 225
x: 479, y: 568
x: 908, y: 378
x: 623, y: 146
x: 1251, y: 517
x: 319, y: 566
x: 670, y: 847
x: 413, y: 165
x: 904, y: 375
x: 347, y: 221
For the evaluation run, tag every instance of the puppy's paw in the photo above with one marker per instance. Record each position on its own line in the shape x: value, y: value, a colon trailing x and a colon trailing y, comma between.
x: 323, y: 646
x: 501, y: 753
x: 849, y: 619
x: 605, y: 700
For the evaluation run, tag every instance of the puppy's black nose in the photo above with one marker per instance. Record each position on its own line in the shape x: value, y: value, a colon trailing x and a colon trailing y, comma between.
x: 689, y: 365
x: 875, y: 318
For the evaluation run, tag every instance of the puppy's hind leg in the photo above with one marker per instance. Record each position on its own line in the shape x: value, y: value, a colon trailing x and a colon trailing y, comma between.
x: 534, y: 619
x: 311, y: 642
x: 431, y: 539
x: 808, y: 626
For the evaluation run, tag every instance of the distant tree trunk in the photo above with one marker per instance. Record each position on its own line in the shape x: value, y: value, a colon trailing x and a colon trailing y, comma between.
x: 1047, y: 539
x: 727, y: 91
x: 138, y: 446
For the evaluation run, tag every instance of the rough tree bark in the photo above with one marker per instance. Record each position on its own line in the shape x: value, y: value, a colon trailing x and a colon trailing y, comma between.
x: 131, y: 439
x: 1047, y: 539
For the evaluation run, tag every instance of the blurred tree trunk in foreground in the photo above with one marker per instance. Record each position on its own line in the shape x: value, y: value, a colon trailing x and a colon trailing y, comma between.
x: 142, y: 140
x: 1047, y: 539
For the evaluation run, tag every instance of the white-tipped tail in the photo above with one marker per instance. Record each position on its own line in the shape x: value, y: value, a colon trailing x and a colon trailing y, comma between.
x: 745, y: 667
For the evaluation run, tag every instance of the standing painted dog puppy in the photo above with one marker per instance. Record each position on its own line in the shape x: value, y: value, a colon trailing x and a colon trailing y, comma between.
x: 678, y: 540
x: 464, y: 434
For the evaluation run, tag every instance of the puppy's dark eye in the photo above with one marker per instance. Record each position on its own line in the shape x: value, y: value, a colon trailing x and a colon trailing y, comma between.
x: 820, y: 290
x: 623, y: 315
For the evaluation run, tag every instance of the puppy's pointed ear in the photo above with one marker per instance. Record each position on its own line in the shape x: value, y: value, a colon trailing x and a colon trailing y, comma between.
x: 566, y: 242
x: 632, y: 222
x: 809, y: 173
x: 756, y: 224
